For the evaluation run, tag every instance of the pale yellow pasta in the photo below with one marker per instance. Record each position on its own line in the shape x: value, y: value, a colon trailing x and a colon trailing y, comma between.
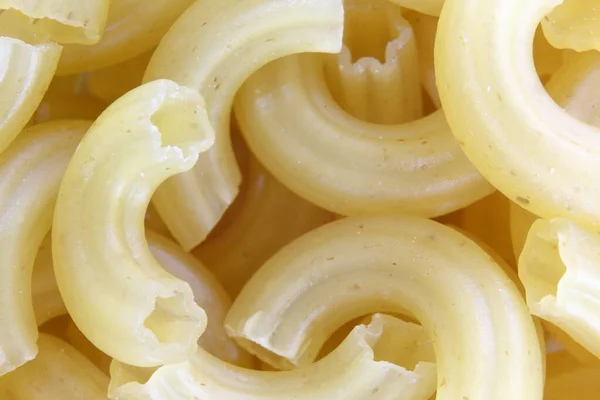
x: 351, y: 372
x: 359, y: 265
x: 133, y: 27
x: 510, y: 128
x: 115, y: 291
x: 560, y: 269
x: 376, y: 76
x: 25, y: 74
x: 214, y: 47
x: 345, y: 165
x: 62, y: 21
x: 574, y: 25
x: 112, y: 82
x: 30, y: 174
x: 429, y: 7
x: 269, y: 217
x: 520, y: 222
x: 47, y: 303
x: 59, y: 372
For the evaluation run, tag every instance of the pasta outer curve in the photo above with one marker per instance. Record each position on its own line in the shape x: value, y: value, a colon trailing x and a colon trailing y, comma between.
x: 65, y: 21
x: 47, y: 303
x: 374, y: 87
x: 395, y: 264
x: 350, y: 372
x: 560, y: 269
x: 25, y: 74
x: 514, y: 133
x: 124, y: 36
x: 299, y: 133
x: 113, y: 288
x: 31, y: 170
x: 573, y: 25
x: 214, y: 47
x: 429, y: 7
x: 59, y: 372
x: 270, y: 216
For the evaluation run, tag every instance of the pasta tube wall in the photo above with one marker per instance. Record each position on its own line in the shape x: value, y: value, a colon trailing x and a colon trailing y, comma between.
x: 113, y: 288
x: 534, y: 152
x: 378, y: 88
x: 214, y: 47
x: 350, y: 372
x: 299, y: 133
x: 65, y: 21
x: 59, y: 372
x: 25, y: 74
x: 397, y: 264
x: 133, y: 27
x: 31, y: 170
x: 572, y: 25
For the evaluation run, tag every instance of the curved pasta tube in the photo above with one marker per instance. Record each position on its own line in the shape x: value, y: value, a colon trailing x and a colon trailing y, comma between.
x: 25, y: 74
x: 133, y: 27
x: 425, y: 28
x: 30, y: 173
x: 573, y: 25
x: 560, y: 269
x: 214, y: 47
x: 359, y: 265
x: 59, y: 372
x: 47, y: 303
x: 113, y: 288
x: 112, y: 82
x: 489, y: 219
x: 509, y: 127
x: 208, y: 293
x: 378, y: 88
x: 350, y: 372
x: 347, y: 166
x: 269, y: 217
x: 65, y: 21
x: 429, y: 7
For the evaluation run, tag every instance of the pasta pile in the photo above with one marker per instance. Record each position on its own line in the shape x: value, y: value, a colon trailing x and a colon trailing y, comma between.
x: 299, y: 199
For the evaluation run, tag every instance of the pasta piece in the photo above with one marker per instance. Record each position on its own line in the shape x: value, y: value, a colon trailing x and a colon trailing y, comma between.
x: 59, y: 372
x: 573, y: 25
x: 429, y: 7
x: 30, y: 173
x: 560, y: 269
x: 113, y: 288
x: 359, y: 265
x: 378, y: 88
x: 65, y: 21
x: 66, y: 98
x: 510, y: 128
x: 112, y: 82
x: 489, y: 220
x: 351, y: 372
x: 133, y: 28
x: 425, y: 28
x: 269, y: 217
x: 47, y: 303
x: 25, y: 74
x: 214, y: 47
x: 347, y: 166
x: 209, y: 295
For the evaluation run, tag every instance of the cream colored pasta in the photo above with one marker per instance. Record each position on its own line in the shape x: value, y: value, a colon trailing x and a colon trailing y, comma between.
x: 31, y: 170
x: 214, y: 47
